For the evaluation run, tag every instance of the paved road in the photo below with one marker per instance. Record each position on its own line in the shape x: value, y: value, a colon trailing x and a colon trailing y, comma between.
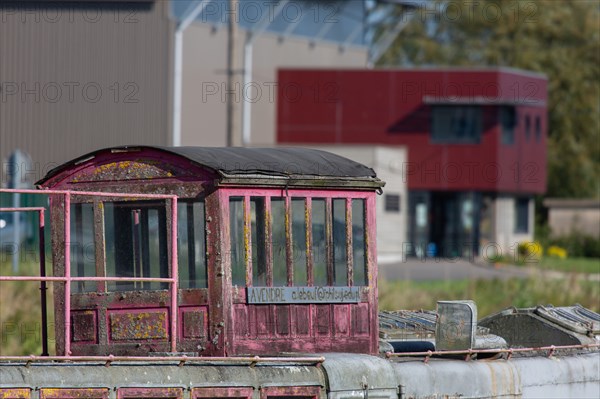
x: 418, y: 270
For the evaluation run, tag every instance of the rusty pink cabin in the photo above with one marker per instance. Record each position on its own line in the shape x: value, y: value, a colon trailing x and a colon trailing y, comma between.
x: 275, y: 251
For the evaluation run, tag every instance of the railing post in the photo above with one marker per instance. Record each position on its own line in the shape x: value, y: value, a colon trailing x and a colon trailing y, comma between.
x: 67, y: 204
x: 43, y: 288
x: 174, y: 275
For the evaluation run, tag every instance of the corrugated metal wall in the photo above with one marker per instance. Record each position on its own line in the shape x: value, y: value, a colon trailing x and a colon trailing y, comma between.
x: 80, y: 76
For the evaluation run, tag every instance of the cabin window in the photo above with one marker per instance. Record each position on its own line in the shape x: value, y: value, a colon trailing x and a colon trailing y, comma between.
x: 83, y: 252
x: 340, y: 250
x: 136, y: 244
x: 279, y: 232
x: 259, y: 240
x: 319, y: 241
x: 298, y: 241
x: 191, y: 244
x: 238, y: 253
x: 359, y: 251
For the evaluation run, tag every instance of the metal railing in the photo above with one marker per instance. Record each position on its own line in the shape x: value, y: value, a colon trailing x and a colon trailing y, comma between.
x: 468, y: 353
x: 69, y: 280
x: 181, y: 360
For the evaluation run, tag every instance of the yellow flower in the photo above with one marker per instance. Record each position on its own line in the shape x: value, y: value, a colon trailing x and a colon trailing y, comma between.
x: 557, y: 252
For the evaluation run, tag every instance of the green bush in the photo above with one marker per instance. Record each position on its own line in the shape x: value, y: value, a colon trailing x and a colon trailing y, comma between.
x: 578, y: 245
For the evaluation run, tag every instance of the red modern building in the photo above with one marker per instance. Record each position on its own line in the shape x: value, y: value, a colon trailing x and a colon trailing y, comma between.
x: 476, y: 141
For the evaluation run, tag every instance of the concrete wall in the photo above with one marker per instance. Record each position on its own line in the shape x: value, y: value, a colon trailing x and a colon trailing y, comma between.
x: 503, y: 219
x: 387, y: 163
x: 204, y: 81
x: 566, y: 216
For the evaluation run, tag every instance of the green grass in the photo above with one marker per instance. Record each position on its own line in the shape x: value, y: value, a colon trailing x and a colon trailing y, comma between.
x: 490, y: 295
x: 20, y: 311
x: 568, y: 265
x: 578, y: 265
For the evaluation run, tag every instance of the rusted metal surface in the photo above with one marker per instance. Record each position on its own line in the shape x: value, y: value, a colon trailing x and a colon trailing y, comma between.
x: 171, y: 393
x: 310, y: 264
x: 349, y: 248
x: 15, y: 393
x: 289, y: 253
x: 142, y: 325
x: 234, y: 392
x: 74, y: 393
x: 290, y: 392
x: 219, y: 287
x: 194, y: 322
x: 85, y: 326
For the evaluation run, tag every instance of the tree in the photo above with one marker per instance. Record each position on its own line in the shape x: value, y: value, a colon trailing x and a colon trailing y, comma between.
x: 556, y: 37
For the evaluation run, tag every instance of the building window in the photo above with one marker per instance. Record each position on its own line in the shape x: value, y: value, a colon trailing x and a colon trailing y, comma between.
x: 508, y: 121
x: 392, y: 202
x: 527, y: 127
x: 522, y: 215
x: 538, y: 129
x: 456, y: 124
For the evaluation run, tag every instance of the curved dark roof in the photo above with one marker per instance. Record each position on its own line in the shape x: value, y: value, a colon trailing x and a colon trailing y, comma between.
x: 278, y: 161
x: 253, y: 161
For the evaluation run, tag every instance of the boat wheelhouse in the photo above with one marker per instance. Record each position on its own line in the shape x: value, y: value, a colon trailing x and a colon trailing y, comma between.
x: 214, y: 252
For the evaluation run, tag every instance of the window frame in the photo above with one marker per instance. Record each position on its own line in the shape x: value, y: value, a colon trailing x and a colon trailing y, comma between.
x: 392, y: 202
x: 105, y: 267
x: 519, y: 201
x: 508, y: 121
x: 163, y: 235
x: 442, y: 133
x: 190, y: 229
x: 308, y: 196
